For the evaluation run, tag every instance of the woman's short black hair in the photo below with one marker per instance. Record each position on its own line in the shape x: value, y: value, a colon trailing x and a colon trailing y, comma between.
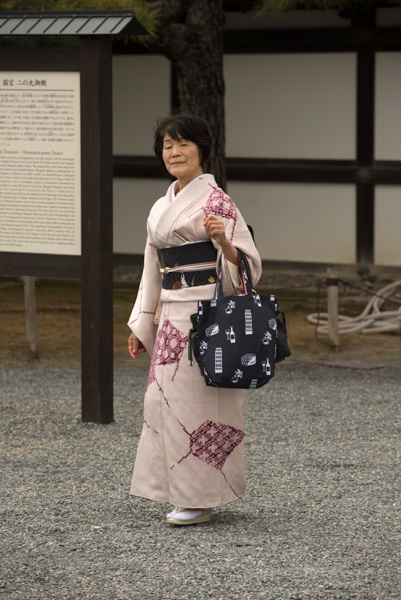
x: 184, y: 125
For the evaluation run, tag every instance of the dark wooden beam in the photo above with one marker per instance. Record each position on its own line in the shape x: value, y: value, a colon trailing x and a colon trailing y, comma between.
x: 138, y: 166
x: 251, y: 169
x: 365, y: 106
x: 97, y: 240
x: 311, y: 40
x: 386, y: 172
x: 58, y: 266
x: 365, y: 234
x: 258, y: 41
x: 365, y: 223
x: 302, y: 171
x: 264, y: 169
x: 39, y: 58
x: 249, y: 6
x: 238, y: 5
x: 387, y: 39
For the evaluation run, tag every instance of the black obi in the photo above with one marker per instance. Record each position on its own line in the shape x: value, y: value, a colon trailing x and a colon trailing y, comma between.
x: 188, y: 265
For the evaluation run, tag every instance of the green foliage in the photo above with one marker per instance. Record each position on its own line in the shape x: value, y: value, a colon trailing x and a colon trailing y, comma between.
x: 350, y: 6
x: 147, y: 15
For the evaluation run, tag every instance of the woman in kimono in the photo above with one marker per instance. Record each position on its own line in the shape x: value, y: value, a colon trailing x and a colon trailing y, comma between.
x: 191, y: 450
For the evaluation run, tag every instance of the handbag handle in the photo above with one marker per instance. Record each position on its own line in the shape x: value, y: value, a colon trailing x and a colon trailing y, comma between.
x: 245, y: 276
x: 245, y: 264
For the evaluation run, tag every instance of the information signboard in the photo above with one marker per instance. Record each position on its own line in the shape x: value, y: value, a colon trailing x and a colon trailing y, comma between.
x: 40, y: 162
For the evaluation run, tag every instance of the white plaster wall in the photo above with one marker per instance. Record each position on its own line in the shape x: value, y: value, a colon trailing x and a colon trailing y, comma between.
x: 304, y: 107
x: 291, y: 105
x: 141, y: 94
x: 387, y: 225
x: 299, y: 222
x: 387, y: 106
x: 133, y: 199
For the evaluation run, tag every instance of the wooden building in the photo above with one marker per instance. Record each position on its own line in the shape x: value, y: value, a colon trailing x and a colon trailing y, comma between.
x: 313, y: 132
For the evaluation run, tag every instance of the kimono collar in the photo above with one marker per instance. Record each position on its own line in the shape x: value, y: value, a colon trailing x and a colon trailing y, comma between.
x: 191, y: 191
x: 173, y: 196
x: 184, y: 205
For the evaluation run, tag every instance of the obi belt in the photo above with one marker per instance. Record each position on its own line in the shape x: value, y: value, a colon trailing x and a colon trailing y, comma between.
x: 188, y: 265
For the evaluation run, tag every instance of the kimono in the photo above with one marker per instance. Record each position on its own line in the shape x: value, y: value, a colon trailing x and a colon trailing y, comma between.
x: 191, y: 450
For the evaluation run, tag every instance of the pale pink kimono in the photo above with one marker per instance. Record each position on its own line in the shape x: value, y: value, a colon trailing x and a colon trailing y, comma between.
x: 191, y: 450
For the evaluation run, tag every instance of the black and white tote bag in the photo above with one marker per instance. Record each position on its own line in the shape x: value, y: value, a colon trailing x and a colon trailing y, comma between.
x: 234, y: 338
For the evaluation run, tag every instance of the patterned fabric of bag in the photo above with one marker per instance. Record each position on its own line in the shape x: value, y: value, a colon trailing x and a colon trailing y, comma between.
x: 237, y: 340
x: 283, y: 349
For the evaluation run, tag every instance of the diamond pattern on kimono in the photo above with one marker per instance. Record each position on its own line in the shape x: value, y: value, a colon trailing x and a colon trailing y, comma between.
x: 214, y: 442
x: 170, y: 344
x: 221, y: 205
x: 168, y: 349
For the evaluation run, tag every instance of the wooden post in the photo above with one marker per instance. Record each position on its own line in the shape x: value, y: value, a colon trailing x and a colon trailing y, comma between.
x: 332, y: 306
x: 97, y: 235
x: 30, y: 315
x: 365, y: 191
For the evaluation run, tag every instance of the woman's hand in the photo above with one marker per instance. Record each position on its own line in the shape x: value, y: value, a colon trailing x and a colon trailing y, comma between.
x: 215, y: 229
x: 135, y: 346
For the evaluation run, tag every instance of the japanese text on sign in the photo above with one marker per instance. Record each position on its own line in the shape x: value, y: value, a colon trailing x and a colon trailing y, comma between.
x: 40, y: 203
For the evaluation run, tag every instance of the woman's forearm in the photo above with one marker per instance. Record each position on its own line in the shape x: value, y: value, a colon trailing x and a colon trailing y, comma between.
x: 229, y: 251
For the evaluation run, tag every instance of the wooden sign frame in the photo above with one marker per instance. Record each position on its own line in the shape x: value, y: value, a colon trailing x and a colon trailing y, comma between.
x: 93, y: 59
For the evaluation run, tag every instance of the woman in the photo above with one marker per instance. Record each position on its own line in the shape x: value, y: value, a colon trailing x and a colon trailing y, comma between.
x: 191, y: 451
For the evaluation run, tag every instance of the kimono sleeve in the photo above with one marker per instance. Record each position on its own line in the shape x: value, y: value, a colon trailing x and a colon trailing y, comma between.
x: 141, y: 321
x: 239, y: 235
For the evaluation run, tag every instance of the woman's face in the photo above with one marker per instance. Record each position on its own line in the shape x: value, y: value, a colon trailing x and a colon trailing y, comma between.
x: 182, y: 159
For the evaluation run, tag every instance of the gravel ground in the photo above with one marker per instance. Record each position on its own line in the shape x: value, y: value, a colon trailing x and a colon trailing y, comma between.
x: 320, y: 519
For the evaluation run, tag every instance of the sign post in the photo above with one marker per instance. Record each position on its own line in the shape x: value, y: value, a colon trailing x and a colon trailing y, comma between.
x: 97, y: 232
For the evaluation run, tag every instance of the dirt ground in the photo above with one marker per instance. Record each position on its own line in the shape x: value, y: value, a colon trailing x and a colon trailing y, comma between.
x: 59, y: 323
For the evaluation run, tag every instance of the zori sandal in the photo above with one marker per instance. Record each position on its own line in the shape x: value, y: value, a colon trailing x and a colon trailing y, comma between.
x: 189, y: 516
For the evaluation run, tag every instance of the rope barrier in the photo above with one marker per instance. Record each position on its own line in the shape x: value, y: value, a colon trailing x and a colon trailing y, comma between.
x: 372, y: 319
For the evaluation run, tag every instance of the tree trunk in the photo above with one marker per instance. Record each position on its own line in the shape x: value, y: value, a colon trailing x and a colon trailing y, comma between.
x: 191, y: 35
